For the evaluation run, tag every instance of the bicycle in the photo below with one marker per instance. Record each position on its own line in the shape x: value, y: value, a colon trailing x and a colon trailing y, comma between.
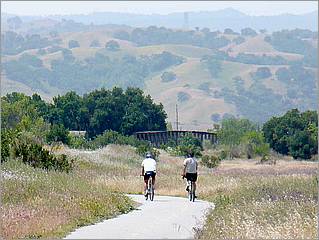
x: 150, y: 189
x: 191, y: 190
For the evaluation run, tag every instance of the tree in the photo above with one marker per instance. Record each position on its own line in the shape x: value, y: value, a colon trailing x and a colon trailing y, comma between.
x: 112, y: 45
x: 168, y: 76
x: 123, y: 35
x: 229, y: 31
x: 214, y: 66
x: 183, y: 96
x: 294, y: 133
x: 261, y: 73
x: 232, y: 130
x: 248, y: 32
x: 65, y: 111
x: 95, y: 43
x: 73, y: 44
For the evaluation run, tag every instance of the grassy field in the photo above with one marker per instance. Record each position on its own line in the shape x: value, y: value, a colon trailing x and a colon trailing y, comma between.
x: 252, y: 200
x: 37, y: 204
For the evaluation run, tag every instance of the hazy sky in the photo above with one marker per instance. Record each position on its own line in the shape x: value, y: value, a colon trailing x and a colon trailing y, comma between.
x: 149, y: 7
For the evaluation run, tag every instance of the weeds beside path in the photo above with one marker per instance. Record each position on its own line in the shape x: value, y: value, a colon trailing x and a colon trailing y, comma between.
x: 37, y: 204
x: 251, y: 200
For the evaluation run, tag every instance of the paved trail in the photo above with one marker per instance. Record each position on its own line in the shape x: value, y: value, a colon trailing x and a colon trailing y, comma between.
x: 165, y: 217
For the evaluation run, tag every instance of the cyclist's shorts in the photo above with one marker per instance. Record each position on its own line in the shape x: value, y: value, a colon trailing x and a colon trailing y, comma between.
x: 191, y: 177
x: 149, y: 174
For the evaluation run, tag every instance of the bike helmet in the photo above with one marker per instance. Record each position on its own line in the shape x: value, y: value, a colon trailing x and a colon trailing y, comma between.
x: 148, y: 155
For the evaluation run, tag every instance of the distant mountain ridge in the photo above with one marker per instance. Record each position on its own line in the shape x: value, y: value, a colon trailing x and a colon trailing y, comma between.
x: 220, y: 19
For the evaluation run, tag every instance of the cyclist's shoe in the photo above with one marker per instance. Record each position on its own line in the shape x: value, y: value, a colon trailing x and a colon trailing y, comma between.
x: 187, y: 188
x: 195, y: 196
x: 145, y: 194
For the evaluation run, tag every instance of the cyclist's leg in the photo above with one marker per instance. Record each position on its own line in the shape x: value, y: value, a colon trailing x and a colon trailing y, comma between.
x: 195, y: 179
x: 145, y: 184
x: 188, y: 181
x: 153, y: 176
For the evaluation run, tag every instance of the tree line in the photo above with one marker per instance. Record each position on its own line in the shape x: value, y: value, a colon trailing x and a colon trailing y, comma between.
x: 123, y: 111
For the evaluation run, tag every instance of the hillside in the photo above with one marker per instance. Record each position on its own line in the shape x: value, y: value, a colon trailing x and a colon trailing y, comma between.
x: 212, y: 74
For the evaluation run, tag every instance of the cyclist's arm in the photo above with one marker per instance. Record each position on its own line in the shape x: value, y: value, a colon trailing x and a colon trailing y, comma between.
x: 184, y: 171
x: 142, y: 170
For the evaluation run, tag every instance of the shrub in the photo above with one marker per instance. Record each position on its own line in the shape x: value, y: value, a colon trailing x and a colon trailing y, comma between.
x: 223, y: 154
x: 168, y: 76
x: 189, y: 144
x: 34, y: 154
x: 112, y: 45
x: 143, y: 149
x: 210, y: 161
x: 233, y: 130
x: 73, y: 44
x: 183, y: 96
x: 77, y: 142
x: 95, y: 43
x: 112, y: 137
x: 255, y: 144
x: 7, y: 137
x: 57, y: 133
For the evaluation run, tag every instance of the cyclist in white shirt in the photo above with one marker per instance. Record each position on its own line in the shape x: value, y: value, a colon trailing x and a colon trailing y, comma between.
x: 148, y: 170
x: 190, y: 170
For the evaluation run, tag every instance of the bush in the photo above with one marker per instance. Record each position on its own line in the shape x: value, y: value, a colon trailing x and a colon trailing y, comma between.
x: 57, y: 133
x: 233, y: 130
x: 168, y: 76
x: 7, y: 137
x: 73, y: 44
x: 143, y: 149
x: 223, y: 154
x: 210, y: 161
x: 183, y: 96
x: 77, y: 142
x: 189, y: 144
x: 112, y: 137
x: 34, y: 154
x: 112, y: 45
x: 255, y: 144
x: 95, y: 43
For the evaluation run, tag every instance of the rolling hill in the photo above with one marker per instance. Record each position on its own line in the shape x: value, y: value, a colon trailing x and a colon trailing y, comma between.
x: 204, y: 90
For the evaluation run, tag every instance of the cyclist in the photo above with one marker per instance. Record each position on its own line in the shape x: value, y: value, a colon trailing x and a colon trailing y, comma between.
x: 190, y: 170
x: 148, y: 170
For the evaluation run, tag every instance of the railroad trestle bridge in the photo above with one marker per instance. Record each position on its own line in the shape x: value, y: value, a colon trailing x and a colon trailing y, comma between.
x: 157, y: 138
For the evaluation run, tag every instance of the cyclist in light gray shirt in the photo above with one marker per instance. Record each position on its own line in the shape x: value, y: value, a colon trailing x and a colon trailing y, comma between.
x: 190, y: 170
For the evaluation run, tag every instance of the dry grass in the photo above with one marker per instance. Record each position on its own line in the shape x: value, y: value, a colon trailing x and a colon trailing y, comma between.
x: 40, y: 204
x: 252, y: 200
